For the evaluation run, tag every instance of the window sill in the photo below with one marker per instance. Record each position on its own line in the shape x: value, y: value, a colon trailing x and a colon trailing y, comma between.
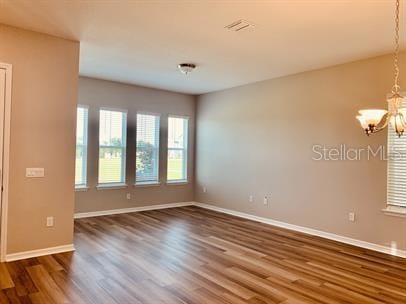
x: 398, y: 211
x: 111, y: 186
x: 177, y: 182
x: 147, y: 184
x: 81, y: 188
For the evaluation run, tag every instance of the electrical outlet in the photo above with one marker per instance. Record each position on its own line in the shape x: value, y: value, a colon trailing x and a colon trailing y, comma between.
x: 251, y: 198
x: 204, y: 189
x: 265, y: 200
x: 128, y: 196
x: 351, y: 216
x: 50, y: 221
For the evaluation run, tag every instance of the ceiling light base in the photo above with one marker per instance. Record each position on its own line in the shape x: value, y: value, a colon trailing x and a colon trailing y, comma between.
x: 186, y: 68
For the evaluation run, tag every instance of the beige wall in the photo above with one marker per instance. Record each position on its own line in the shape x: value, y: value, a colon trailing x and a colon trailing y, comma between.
x: 44, y: 96
x: 98, y: 93
x: 251, y: 140
x: 257, y: 140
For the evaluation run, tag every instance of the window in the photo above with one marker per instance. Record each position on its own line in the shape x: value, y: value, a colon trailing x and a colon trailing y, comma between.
x: 112, y: 146
x: 177, y: 149
x: 147, y: 159
x: 396, y: 196
x: 81, y: 147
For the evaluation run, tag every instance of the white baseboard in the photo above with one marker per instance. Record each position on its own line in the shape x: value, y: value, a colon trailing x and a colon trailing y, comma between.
x: 327, y: 235
x: 38, y: 252
x: 133, y: 209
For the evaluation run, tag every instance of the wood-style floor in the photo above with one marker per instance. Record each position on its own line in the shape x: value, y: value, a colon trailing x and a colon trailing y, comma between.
x: 192, y: 255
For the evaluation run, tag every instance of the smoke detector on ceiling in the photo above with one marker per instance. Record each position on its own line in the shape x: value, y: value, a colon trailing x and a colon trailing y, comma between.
x: 186, y: 68
x: 239, y: 25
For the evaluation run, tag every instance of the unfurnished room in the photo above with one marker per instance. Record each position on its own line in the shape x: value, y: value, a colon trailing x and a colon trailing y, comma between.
x: 199, y: 151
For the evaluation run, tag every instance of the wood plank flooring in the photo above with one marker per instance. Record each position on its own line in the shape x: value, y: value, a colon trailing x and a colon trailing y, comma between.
x: 193, y: 255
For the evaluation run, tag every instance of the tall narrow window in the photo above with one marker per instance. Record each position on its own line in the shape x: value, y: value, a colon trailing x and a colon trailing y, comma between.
x: 396, y: 177
x: 81, y: 147
x: 147, y: 160
x: 112, y: 146
x: 177, y: 149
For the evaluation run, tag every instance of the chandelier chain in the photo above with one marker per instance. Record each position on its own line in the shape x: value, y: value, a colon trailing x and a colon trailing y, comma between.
x: 375, y: 120
x: 396, y: 87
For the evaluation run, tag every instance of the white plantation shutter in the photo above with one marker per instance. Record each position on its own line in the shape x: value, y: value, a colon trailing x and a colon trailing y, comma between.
x: 396, y: 169
x: 112, y: 146
x: 147, y: 159
x: 177, y: 148
x: 81, y: 146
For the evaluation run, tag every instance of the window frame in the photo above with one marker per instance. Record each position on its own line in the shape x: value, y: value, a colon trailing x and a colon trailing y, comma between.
x: 185, y: 150
x: 123, y: 147
x: 393, y: 208
x: 157, y: 148
x: 84, y: 146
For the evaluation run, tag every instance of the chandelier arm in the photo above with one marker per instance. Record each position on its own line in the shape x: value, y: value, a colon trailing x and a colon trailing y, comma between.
x: 402, y: 120
x: 376, y: 130
x: 384, y: 121
x: 382, y: 124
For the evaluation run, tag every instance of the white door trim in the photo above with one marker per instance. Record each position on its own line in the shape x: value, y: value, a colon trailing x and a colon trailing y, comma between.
x: 6, y: 161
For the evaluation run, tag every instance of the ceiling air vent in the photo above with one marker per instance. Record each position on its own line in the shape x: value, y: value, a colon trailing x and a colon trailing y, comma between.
x: 239, y: 25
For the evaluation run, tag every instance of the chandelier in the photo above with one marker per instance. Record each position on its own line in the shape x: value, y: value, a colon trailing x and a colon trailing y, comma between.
x: 375, y: 120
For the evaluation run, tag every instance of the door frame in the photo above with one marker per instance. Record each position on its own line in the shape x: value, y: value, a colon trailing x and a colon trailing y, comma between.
x: 6, y: 161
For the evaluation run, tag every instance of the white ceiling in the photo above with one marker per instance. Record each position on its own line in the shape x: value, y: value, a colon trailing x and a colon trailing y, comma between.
x: 142, y: 42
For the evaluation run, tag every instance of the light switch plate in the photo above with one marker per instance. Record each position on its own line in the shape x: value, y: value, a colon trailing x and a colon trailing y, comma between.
x: 34, y: 172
